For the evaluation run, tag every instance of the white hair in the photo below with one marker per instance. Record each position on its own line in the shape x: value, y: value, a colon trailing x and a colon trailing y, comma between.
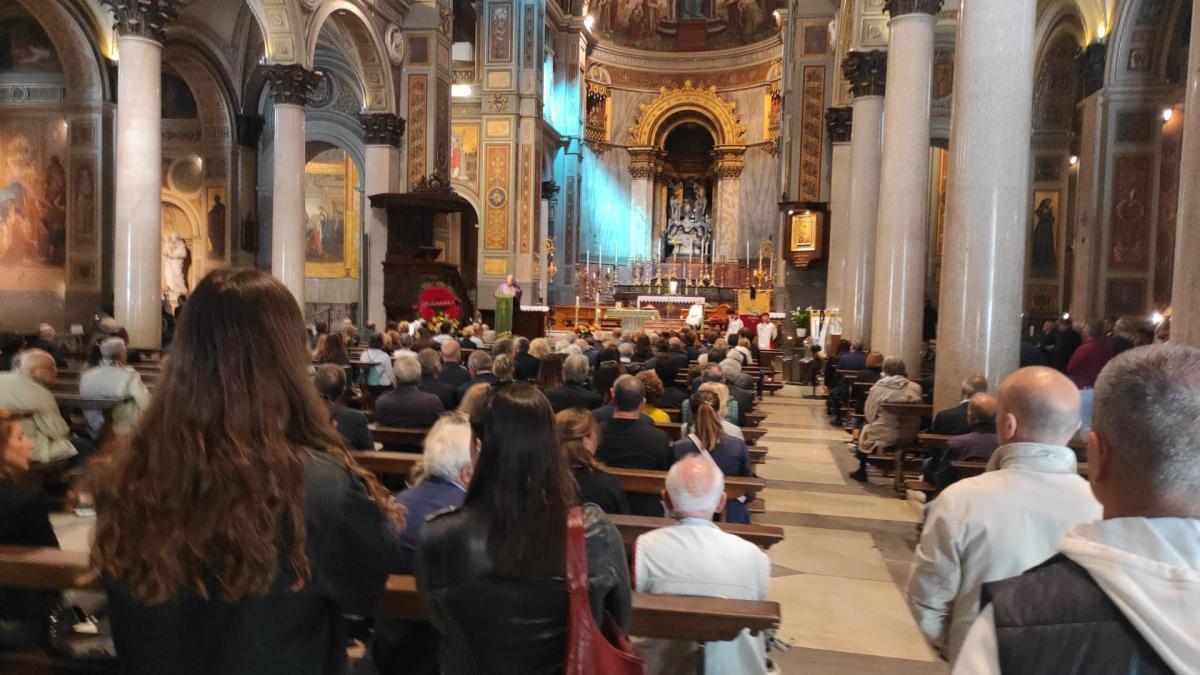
x: 561, y: 346
x: 46, y: 331
x: 408, y: 370
x: 447, y: 446
x: 576, y: 368
x: 695, y: 484
x: 730, y: 369
x: 25, y: 362
x: 113, y: 350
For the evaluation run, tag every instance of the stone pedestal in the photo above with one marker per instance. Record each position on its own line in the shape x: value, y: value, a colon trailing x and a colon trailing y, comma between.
x: 981, y: 287
x: 901, y: 241
x: 1185, y: 294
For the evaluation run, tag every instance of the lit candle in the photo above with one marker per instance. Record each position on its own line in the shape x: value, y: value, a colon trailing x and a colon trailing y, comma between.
x: 577, y: 310
x: 747, y: 252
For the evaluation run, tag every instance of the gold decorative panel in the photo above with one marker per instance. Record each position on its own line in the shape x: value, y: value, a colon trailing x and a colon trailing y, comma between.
x: 495, y: 231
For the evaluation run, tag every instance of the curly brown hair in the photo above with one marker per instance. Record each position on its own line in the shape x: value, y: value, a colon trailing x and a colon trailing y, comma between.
x: 206, y: 496
x: 653, y: 384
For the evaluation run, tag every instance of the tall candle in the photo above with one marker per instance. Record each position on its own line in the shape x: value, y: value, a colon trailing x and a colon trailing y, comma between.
x: 747, y: 253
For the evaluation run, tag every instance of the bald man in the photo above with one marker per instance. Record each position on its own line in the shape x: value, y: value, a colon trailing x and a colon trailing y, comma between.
x: 977, y: 445
x: 23, y: 390
x: 453, y: 372
x: 1001, y: 523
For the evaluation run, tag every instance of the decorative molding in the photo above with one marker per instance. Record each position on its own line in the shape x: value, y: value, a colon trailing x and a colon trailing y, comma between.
x: 812, y: 104
x: 687, y: 62
x: 500, y: 19
x: 498, y: 103
x: 896, y: 8
x: 730, y: 162
x: 394, y: 39
x: 495, y: 229
x: 671, y: 102
x: 143, y: 18
x: 525, y: 231
x: 643, y: 163
x: 866, y: 72
x: 382, y: 129
x: 839, y: 122
x: 434, y: 183
x: 291, y: 84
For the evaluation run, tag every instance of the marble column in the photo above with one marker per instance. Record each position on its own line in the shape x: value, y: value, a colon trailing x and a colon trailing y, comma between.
x: 137, y: 252
x: 727, y: 205
x: 901, y: 238
x: 979, y: 326
x: 382, y: 133
x: 838, y: 124
x: 643, y: 168
x: 290, y: 85
x: 1185, y: 293
x: 867, y: 73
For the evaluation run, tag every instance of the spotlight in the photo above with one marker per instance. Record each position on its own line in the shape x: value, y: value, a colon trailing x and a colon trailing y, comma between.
x: 1066, y: 316
x: 1156, y: 318
x: 1167, y: 114
x: 589, y: 21
x: 1073, y: 160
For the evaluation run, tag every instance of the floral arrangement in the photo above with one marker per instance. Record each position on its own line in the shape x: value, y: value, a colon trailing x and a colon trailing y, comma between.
x: 585, y: 331
x: 440, y: 318
x: 801, y: 318
x: 438, y: 299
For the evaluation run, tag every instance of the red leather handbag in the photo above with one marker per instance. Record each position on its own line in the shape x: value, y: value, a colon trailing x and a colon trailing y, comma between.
x: 591, y: 651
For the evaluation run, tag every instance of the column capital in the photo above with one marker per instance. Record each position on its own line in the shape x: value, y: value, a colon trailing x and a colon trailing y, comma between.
x: 143, y: 18
x: 730, y: 162
x: 839, y: 122
x: 382, y: 128
x: 896, y: 8
x: 1091, y: 67
x: 643, y: 163
x: 291, y: 83
x: 866, y: 72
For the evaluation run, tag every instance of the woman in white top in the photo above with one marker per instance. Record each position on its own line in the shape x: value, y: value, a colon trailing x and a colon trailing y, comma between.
x: 743, y: 348
x: 379, y: 373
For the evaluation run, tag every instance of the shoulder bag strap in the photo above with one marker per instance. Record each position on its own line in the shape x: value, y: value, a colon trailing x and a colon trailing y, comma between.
x: 577, y: 564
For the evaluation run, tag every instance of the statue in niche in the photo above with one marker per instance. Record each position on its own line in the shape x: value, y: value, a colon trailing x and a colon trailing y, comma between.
x: 701, y: 203
x: 692, y: 10
x: 677, y: 202
x: 1044, y: 259
x: 175, y: 255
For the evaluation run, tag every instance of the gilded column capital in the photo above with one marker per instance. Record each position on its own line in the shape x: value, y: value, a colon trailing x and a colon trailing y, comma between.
x: 143, y: 18
x: 382, y: 128
x: 896, y: 8
x: 839, y: 122
x: 291, y: 83
x: 643, y: 163
x: 866, y: 72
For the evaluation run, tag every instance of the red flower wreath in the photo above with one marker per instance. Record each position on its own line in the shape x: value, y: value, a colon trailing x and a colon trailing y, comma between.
x: 435, y: 299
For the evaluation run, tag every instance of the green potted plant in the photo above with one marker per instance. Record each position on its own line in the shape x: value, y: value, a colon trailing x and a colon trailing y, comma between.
x: 800, y: 319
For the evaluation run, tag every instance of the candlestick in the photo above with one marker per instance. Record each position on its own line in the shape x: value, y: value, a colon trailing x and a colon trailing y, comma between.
x: 589, y: 259
x: 747, y: 252
x: 577, y: 310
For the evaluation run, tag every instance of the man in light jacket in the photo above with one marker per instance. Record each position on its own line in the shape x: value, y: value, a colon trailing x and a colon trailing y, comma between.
x: 1003, y: 522
x: 1123, y: 594
x: 22, y: 391
x: 114, y: 379
x: 884, y: 429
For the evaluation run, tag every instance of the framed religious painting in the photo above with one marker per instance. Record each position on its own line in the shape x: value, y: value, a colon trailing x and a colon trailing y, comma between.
x: 1044, y: 241
x: 805, y: 240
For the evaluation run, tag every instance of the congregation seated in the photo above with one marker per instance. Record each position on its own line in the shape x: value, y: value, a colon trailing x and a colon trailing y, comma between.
x: 47, y: 341
x: 695, y: 557
x: 579, y: 437
x: 444, y: 333
x: 708, y: 439
x: 977, y: 445
x: 431, y: 381
x: 654, y: 393
x: 741, y: 353
x: 114, y: 379
x: 25, y: 522
x: 504, y: 368
x: 727, y: 412
x: 626, y: 441
x: 574, y: 391
x: 745, y: 399
x: 349, y: 333
x: 470, y: 338
x: 642, y: 351
x: 475, y: 397
x: 527, y: 364
x: 953, y: 421
x: 884, y: 429
x: 1001, y: 523
x: 379, y: 372
x: 24, y: 389
x: 490, y: 574
x: 674, y: 393
x: 505, y: 347
x: 479, y: 366
x: 406, y: 405
x: 302, y: 536
x: 331, y: 348
x: 715, y: 353
x: 1090, y: 358
x: 1121, y: 591
x: 605, y: 412
x: 731, y: 368
x: 453, y: 372
x: 352, y: 425
x: 446, y: 469
x: 404, y: 346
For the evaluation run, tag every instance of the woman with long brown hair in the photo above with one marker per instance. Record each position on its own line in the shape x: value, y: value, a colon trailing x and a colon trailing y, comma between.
x: 579, y: 436
x: 708, y: 438
x: 550, y: 372
x: 233, y: 529
x: 491, y: 574
x: 332, y: 349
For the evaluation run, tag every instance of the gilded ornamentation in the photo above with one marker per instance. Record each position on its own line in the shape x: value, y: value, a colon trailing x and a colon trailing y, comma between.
x: 418, y: 116
x: 671, y: 102
x: 498, y: 103
x: 495, y: 229
x: 866, y: 72
x: 812, y: 104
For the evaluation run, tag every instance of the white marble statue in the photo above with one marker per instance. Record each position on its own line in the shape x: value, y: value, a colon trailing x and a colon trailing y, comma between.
x: 175, y: 255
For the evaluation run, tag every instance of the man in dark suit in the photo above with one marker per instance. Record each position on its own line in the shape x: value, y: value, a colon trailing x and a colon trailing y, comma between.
x: 603, y: 414
x: 330, y: 381
x: 673, y: 393
x: 479, y: 365
x: 46, y: 342
x: 574, y: 392
x: 453, y: 372
x: 406, y: 405
x: 431, y: 368
x: 953, y: 421
x: 527, y: 365
x: 627, y: 442
x: 977, y: 445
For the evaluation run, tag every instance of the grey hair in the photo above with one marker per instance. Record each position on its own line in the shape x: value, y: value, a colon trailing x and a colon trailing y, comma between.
x: 576, y: 368
x: 447, y: 446
x: 408, y: 370
x: 1147, y: 408
x: 695, y: 484
x: 431, y: 361
x: 625, y: 349
x: 894, y: 365
x: 113, y: 350
x: 502, y: 367
x: 974, y: 384
x: 479, y: 360
x: 712, y: 372
x: 561, y: 346
x: 730, y: 369
x: 26, y: 361
x: 46, y: 331
x: 573, y: 349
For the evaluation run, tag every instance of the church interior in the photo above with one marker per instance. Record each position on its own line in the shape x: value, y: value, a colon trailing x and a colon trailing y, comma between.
x: 869, y: 228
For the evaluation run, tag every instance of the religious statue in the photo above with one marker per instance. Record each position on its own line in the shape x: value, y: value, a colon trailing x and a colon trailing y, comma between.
x: 175, y: 254
x: 701, y: 203
x: 1044, y: 258
x: 677, y: 204
x: 692, y: 10
x: 216, y: 229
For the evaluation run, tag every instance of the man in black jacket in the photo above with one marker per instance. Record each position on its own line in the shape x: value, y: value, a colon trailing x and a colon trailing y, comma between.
x: 431, y: 368
x: 406, y: 405
x: 453, y: 372
x: 330, y: 380
x: 527, y: 365
x: 745, y: 399
x: 479, y: 365
x: 953, y: 421
x: 628, y: 442
x: 574, y: 392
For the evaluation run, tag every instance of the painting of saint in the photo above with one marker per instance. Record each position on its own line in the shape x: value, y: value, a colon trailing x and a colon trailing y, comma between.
x: 464, y: 154
x: 332, y: 225
x: 216, y: 225
x: 33, y: 194
x: 1045, y: 216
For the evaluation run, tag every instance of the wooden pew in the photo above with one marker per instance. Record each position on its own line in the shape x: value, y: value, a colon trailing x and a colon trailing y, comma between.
x: 398, y: 438
x: 632, y: 527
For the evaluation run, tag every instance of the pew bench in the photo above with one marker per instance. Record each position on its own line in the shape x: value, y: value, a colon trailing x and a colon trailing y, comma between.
x: 632, y: 527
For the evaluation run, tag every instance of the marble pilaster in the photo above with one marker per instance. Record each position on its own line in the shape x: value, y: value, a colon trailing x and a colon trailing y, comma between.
x: 290, y: 86
x: 382, y: 134
x: 643, y: 166
x: 867, y: 73
x: 981, y: 286
x: 728, y: 204
x: 901, y: 241
x: 1185, y: 295
x: 838, y: 123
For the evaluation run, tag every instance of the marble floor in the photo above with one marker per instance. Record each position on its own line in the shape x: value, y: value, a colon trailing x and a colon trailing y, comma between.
x: 839, y: 571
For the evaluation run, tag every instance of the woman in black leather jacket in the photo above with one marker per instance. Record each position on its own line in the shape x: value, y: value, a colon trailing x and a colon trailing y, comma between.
x: 492, y: 573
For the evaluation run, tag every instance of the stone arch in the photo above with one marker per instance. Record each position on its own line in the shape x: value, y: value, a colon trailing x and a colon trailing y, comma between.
x: 1056, y: 77
x: 215, y: 104
x: 283, y: 30
x: 702, y: 105
x: 75, y: 47
x: 1137, y: 53
x: 370, y: 58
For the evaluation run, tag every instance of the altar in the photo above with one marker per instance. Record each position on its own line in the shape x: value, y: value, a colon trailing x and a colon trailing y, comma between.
x: 632, y: 320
